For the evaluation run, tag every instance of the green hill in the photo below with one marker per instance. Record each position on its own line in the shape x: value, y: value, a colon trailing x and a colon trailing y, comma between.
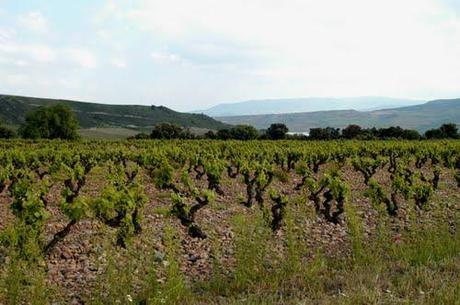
x: 419, y: 117
x: 90, y: 115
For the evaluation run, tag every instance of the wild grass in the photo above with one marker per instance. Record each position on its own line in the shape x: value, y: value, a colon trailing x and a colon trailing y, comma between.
x: 421, y: 266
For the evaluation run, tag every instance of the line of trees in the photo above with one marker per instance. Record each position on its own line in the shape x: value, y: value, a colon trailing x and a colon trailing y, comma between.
x: 59, y: 122
x: 446, y: 131
x: 240, y: 132
x: 280, y: 131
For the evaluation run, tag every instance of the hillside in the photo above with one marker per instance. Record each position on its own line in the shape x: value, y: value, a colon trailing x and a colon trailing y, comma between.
x: 419, y: 117
x: 276, y: 106
x: 14, y: 108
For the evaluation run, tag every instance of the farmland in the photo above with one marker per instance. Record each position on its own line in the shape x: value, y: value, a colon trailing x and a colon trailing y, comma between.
x: 229, y: 222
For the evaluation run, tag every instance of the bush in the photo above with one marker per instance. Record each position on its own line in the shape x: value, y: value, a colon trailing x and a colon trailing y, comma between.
x: 446, y: 131
x: 352, y: 132
x: 6, y: 133
x: 277, y: 131
x: 244, y: 132
x: 54, y: 122
x: 327, y: 133
x: 140, y: 136
x: 224, y: 134
x: 210, y: 135
x: 166, y: 131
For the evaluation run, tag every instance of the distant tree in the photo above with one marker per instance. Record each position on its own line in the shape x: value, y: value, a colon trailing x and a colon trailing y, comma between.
x: 140, y: 136
x: 450, y: 130
x: 352, y: 132
x: 394, y: 132
x: 224, y: 134
x: 187, y: 134
x: 244, y: 133
x: 210, y: 135
x: 166, y: 131
x: 328, y: 133
x: 434, y: 134
x: 6, y: 133
x: 277, y: 131
x: 409, y: 134
x: 53, y: 122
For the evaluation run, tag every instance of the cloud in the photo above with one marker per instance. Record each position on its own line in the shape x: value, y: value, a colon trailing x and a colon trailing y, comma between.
x: 39, y: 53
x: 205, y: 51
x: 330, y: 45
x: 118, y: 62
x: 35, y: 22
x: 165, y: 57
x: 5, y: 34
x: 82, y: 57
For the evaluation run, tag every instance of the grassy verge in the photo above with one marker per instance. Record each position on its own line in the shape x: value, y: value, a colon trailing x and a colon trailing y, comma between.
x: 421, y: 266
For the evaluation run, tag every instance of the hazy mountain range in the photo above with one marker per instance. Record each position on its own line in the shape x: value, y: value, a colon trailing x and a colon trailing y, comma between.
x: 420, y: 117
x: 274, y: 106
x: 119, y: 121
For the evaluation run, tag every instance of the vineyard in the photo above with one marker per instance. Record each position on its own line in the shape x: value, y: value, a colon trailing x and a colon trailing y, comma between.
x: 229, y: 222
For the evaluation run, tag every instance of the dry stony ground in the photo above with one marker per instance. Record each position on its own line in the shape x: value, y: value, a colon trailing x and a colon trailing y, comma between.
x: 74, y: 266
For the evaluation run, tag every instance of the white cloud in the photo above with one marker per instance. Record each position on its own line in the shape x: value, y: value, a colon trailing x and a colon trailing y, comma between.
x: 82, y: 57
x: 165, y: 57
x: 331, y: 47
x: 14, y: 62
x: 39, y: 53
x: 35, y: 22
x: 118, y: 62
x: 205, y: 51
x: 5, y: 34
x: 16, y: 79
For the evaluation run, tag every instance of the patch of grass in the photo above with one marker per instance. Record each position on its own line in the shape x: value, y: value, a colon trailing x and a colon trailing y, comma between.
x: 174, y: 289
x: 22, y: 274
x: 164, y: 211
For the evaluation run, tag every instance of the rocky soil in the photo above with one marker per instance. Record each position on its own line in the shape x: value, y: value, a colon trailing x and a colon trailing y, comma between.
x: 74, y: 266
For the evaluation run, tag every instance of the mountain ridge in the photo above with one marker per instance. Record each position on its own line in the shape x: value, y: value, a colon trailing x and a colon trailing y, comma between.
x: 298, y: 105
x: 13, y: 109
x: 420, y: 117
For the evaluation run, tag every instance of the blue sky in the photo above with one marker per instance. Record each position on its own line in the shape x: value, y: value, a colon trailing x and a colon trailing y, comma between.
x: 193, y: 54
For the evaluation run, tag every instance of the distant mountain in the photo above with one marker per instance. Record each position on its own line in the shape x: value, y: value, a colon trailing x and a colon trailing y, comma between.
x: 275, y: 106
x: 90, y: 115
x: 419, y: 117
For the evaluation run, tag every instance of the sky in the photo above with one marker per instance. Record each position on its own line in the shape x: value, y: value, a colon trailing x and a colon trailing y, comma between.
x: 190, y: 55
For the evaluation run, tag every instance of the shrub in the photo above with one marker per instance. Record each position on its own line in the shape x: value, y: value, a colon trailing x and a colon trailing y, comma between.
x: 244, y: 132
x: 54, y: 122
x: 6, y: 133
x: 166, y: 131
x: 277, y: 131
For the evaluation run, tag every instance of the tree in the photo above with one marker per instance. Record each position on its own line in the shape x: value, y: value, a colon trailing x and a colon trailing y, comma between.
x: 6, y: 133
x: 166, y: 131
x: 352, y: 132
x: 390, y: 132
x: 224, y: 134
x: 328, y: 133
x: 139, y: 136
x: 244, y: 133
x: 53, y: 122
x: 210, y: 135
x: 434, y: 134
x: 410, y: 134
x: 449, y: 130
x: 277, y: 131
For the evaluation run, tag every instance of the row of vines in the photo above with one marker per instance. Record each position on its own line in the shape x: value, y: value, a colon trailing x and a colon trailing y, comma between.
x: 193, y: 171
